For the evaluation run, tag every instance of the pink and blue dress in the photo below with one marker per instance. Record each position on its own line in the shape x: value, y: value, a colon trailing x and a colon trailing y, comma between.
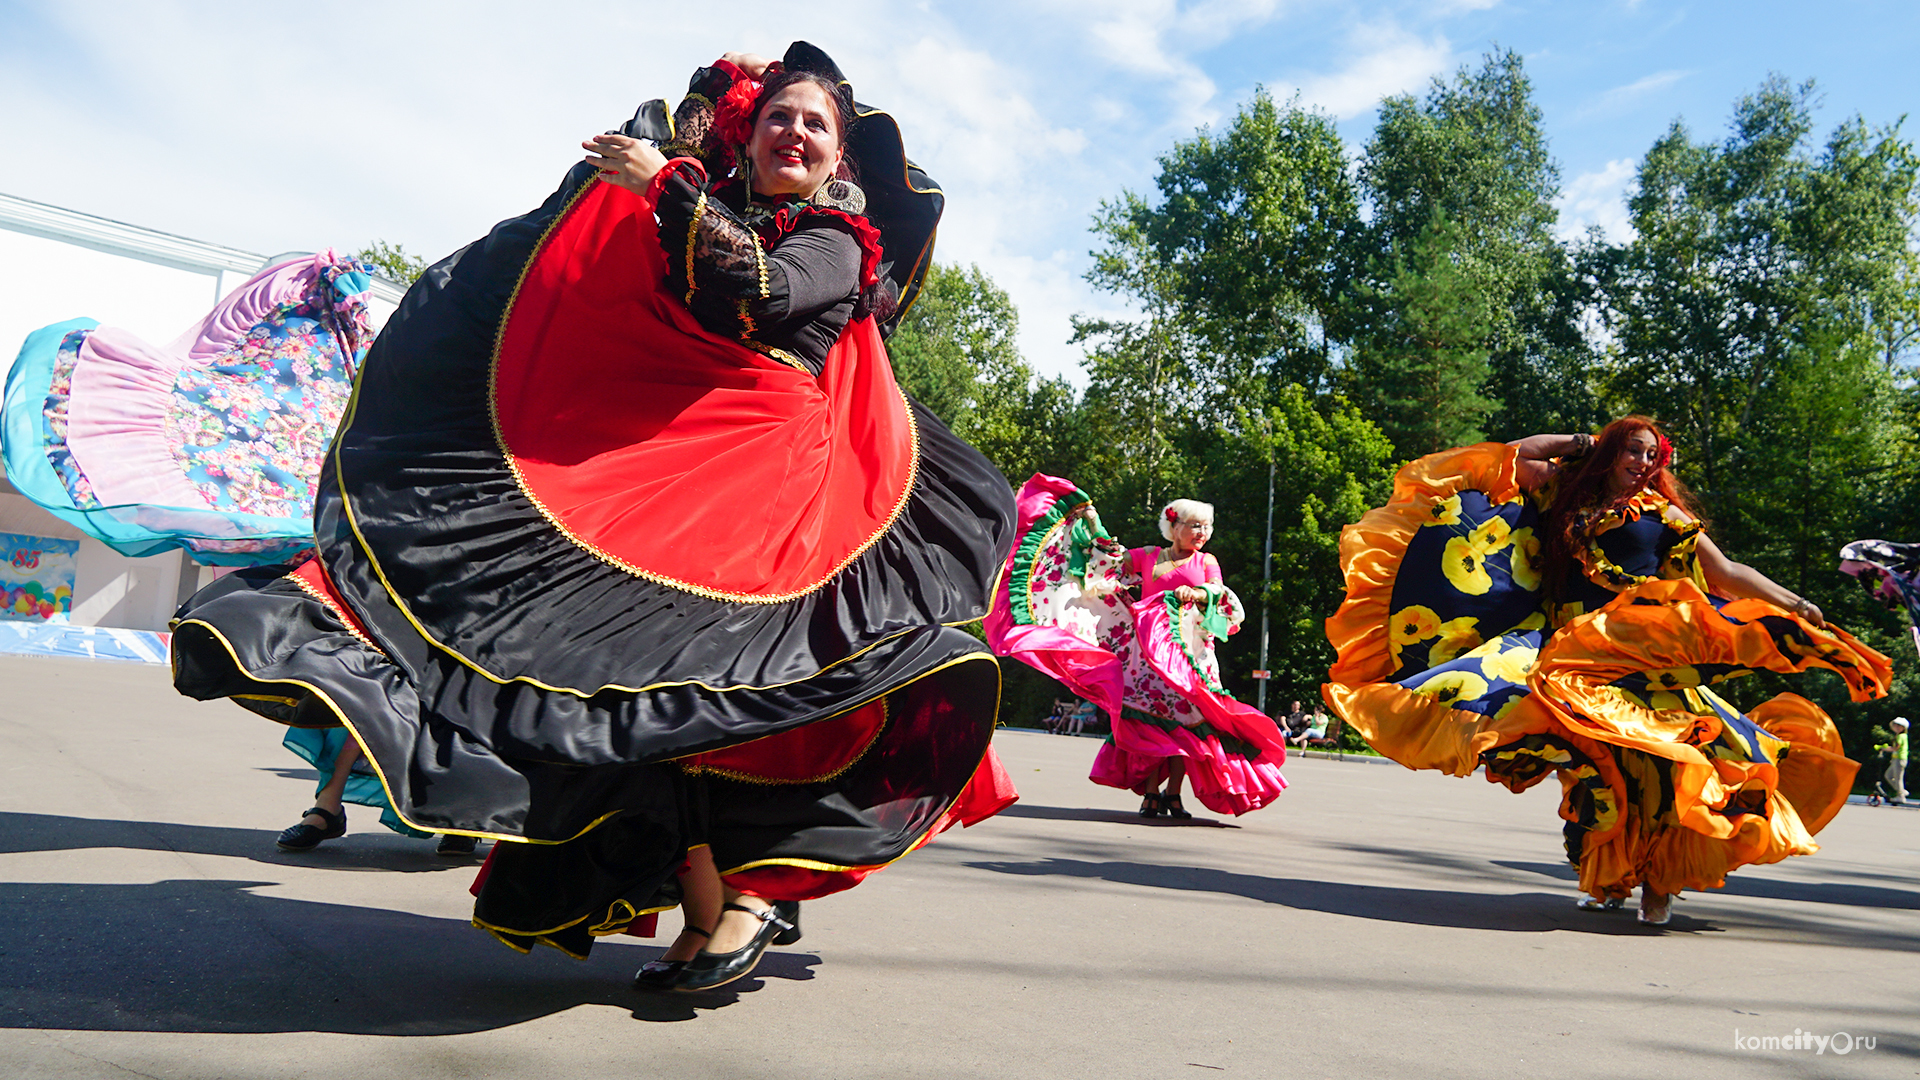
x: 212, y: 442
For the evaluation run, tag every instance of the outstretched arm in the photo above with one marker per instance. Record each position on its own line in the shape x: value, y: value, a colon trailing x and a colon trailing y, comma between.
x: 1736, y: 580
x: 1536, y: 465
x: 1124, y: 570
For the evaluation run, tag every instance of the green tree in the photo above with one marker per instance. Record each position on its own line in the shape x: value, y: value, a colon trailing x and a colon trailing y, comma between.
x: 1234, y: 270
x: 1330, y: 465
x: 1144, y: 380
x: 1142, y: 399
x: 957, y: 343
x: 957, y: 352
x: 1250, y: 227
x: 393, y: 262
x: 1473, y: 150
x: 1764, y: 309
x: 1420, y: 344
x: 1756, y: 267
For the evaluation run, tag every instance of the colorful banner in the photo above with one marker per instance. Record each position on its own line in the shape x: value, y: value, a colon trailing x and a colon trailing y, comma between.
x: 36, y: 577
x: 87, y: 642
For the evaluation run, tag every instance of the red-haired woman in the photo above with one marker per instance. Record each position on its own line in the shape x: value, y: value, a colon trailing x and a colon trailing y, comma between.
x: 1554, y: 605
x: 1588, y: 499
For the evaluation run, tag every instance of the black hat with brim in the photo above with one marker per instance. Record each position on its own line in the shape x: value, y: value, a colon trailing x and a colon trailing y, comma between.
x: 903, y: 202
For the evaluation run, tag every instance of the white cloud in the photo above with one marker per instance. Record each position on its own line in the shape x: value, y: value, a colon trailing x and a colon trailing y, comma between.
x: 1008, y: 171
x: 1388, y: 60
x: 1152, y: 45
x: 424, y: 123
x: 1598, y: 198
x: 1622, y: 97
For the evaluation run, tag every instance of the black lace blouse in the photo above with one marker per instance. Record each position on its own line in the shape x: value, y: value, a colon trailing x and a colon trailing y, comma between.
x: 783, y: 277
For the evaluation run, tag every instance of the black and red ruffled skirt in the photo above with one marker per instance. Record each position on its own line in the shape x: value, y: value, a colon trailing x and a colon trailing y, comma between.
x: 579, y: 557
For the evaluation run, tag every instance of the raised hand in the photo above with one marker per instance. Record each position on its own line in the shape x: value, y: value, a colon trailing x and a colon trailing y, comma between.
x: 628, y: 162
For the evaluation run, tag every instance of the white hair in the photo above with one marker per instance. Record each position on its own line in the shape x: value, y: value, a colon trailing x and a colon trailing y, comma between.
x: 1183, y: 510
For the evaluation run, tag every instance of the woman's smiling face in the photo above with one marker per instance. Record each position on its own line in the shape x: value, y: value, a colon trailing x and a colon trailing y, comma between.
x: 1634, y: 466
x: 1192, y: 534
x: 796, y: 142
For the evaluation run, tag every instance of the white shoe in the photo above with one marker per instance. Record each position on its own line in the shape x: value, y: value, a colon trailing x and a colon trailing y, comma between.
x: 1594, y: 903
x: 1655, y: 909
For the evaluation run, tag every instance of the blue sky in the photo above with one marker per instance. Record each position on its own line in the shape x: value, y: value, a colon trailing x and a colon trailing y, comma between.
x: 279, y: 127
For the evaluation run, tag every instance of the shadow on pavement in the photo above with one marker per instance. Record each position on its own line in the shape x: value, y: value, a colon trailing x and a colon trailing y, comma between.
x: 367, y: 846
x: 1114, y: 817
x: 1530, y: 913
x: 1813, y: 892
x: 212, y: 956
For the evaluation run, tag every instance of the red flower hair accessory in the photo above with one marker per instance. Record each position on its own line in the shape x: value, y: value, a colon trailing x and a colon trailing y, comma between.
x: 1664, y: 453
x: 733, y: 115
x: 1173, y: 515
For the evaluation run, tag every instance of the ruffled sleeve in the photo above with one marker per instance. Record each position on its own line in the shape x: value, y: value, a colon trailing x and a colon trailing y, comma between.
x: 693, y: 135
x: 1220, y: 615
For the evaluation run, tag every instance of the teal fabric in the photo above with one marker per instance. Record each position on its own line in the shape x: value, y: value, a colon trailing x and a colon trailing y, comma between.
x: 1214, y: 618
x: 319, y: 747
x: 1080, y: 544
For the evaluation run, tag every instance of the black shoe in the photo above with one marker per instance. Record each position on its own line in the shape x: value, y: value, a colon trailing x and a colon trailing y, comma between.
x: 710, y: 970
x: 454, y: 846
x: 1171, y: 804
x: 1151, y: 806
x: 790, y: 911
x: 304, y: 837
x: 662, y: 974
x: 658, y: 974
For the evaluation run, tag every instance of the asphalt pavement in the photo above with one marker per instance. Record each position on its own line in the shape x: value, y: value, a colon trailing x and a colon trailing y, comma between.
x: 1376, y: 922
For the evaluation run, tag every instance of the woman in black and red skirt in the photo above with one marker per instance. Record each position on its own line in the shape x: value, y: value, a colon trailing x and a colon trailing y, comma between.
x: 632, y: 552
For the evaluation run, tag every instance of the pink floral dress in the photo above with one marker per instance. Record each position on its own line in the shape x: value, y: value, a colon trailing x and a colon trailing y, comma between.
x: 1149, y: 663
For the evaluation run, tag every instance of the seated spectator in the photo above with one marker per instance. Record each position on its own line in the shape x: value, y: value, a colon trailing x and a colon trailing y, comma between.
x: 1324, y: 731
x: 1312, y: 729
x: 1084, y: 713
x: 1294, y: 722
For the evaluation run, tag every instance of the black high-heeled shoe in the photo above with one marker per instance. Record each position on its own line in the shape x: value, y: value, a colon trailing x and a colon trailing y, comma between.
x: 1171, y: 804
x: 790, y: 911
x: 710, y: 970
x: 1151, y: 806
x: 662, y: 974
